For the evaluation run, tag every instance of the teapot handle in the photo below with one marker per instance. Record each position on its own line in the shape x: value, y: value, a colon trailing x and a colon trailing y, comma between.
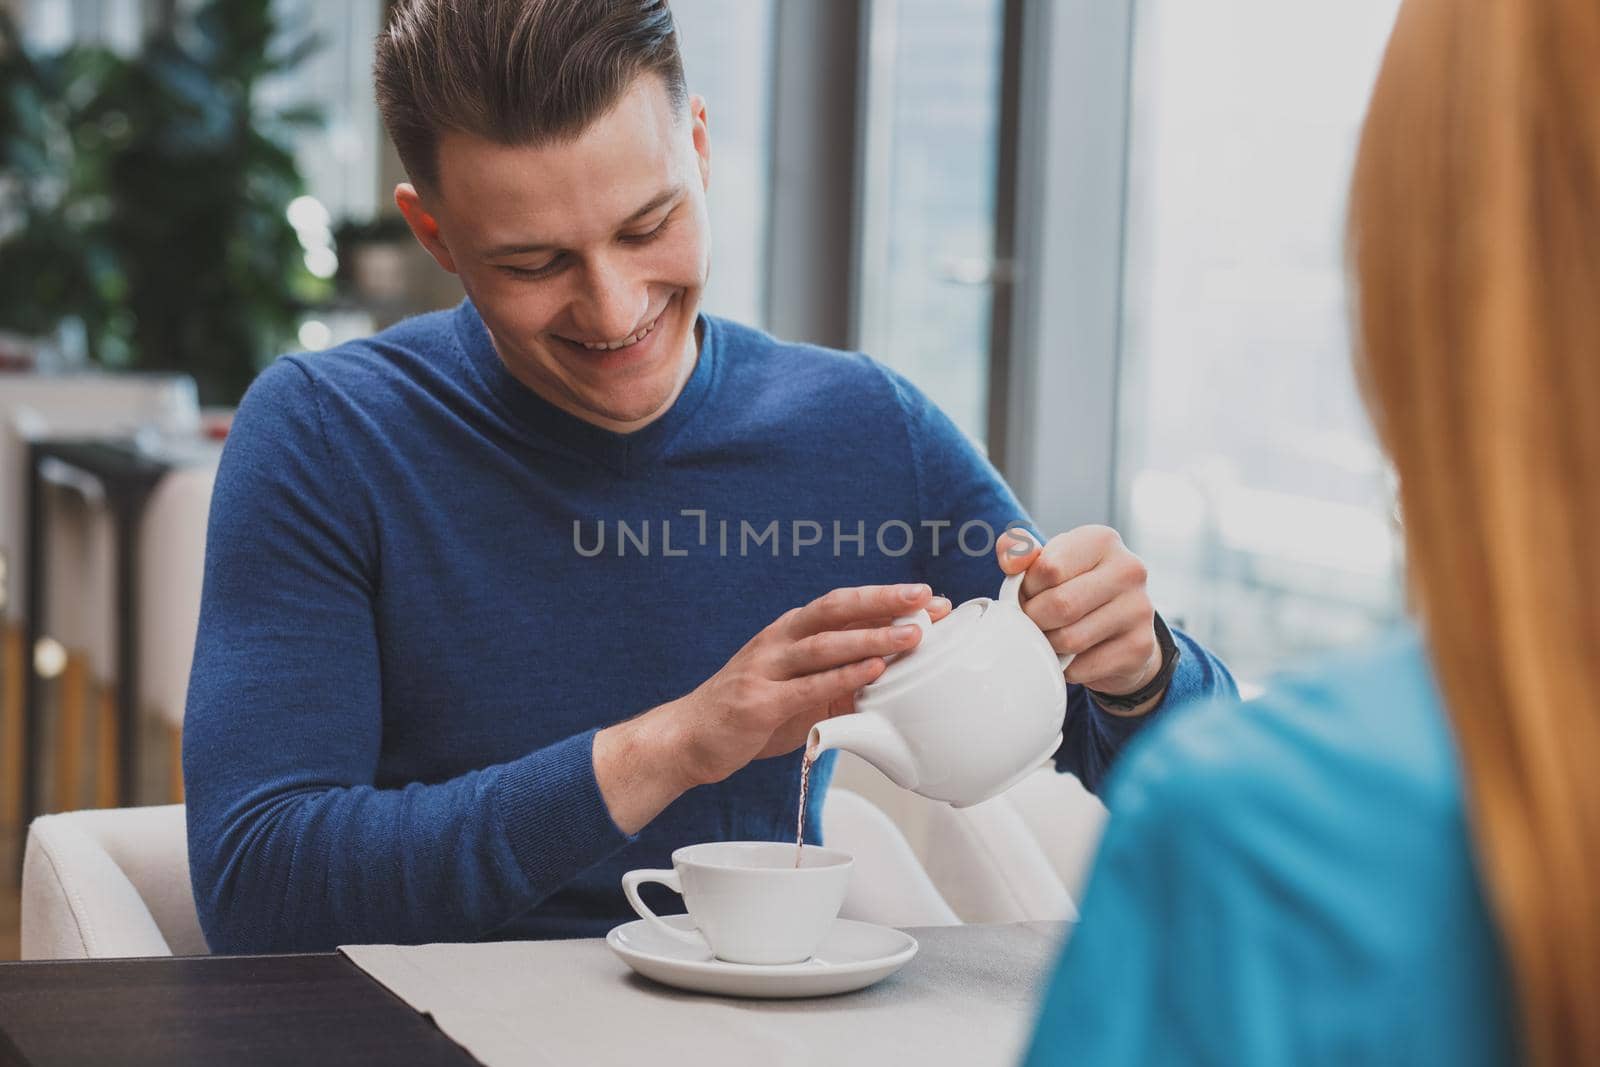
x: 1011, y: 593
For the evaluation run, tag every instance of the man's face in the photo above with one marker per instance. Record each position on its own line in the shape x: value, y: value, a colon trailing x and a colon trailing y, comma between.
x: 586, y: 259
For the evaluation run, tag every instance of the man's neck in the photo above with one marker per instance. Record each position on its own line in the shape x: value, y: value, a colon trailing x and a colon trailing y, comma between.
x: 561, y: 400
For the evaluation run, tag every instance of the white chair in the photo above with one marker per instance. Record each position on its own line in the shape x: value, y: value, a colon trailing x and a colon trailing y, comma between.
x: 1018, y: 857
x: 172, y: 552
x: 101, y: 884
x: 887, y: 884
x: 1065, y: 819
x: 115, y: 883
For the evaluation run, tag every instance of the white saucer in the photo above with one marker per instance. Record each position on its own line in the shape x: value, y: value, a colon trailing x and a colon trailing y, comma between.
x: 853, y: 956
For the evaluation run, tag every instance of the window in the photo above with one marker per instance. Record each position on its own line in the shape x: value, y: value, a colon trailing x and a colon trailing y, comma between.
x: 339, y: 158
x: 53, y: 25
x: 727, y: 59
x: 927, y: 246
x: 1248, y: 477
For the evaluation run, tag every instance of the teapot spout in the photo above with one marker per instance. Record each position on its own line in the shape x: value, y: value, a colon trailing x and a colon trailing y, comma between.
x: 871, y: 737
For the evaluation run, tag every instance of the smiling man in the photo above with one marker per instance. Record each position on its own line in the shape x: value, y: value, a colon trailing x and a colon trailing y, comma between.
x: 431, y: 699
x: 589, y: 276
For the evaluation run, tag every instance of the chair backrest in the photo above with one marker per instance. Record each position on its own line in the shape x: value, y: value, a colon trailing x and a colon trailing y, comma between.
x: 990, y: 866
x: 1065, y: 819
x: 887, y: 883
x: 115, y: 883
x: 172, y: 549
x: 1017, y: 857
x: 99, y: 884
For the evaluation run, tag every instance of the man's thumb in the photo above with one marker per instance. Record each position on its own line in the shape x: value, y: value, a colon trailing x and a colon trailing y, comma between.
x: 1016, y: 550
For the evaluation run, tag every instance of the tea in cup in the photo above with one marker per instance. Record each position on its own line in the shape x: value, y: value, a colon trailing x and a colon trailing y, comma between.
x: 749, y: 902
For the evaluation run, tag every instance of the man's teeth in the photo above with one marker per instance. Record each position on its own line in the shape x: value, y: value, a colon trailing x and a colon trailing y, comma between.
x: 612, y: 346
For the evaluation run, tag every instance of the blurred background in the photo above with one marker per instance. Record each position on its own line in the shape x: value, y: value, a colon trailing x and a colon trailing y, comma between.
x: 1105, y: 235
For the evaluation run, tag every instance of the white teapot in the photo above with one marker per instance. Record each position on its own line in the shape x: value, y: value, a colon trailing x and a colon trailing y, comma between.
x: 968, y: 713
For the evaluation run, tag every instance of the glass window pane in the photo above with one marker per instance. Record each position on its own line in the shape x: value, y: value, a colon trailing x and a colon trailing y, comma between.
x: 1248, y: 475
x: 53, y: 25
x: 339, y: 157
x: 727, y: 59
x: 928, y: 232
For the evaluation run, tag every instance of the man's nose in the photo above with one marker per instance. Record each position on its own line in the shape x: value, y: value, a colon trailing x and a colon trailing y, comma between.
x: 612, y: 303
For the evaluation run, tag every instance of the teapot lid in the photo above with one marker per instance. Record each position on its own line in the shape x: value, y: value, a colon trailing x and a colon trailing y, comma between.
x: 940, y: 642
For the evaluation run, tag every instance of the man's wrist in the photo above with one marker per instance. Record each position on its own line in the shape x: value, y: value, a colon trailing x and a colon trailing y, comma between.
x: 1150, y: 695
x: 1134, y: 712
x: 639, y: 767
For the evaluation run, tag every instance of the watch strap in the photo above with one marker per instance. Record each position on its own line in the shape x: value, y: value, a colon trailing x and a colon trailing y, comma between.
x: 1170, y: 652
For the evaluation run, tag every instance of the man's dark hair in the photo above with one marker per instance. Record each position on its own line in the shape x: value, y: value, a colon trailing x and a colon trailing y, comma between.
x: 517, y: 72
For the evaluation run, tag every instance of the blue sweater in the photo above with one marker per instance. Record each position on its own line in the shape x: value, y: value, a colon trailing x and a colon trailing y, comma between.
x: 426, y: 588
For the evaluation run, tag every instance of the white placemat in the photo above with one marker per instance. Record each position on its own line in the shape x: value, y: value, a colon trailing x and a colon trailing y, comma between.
x: 968, y: 998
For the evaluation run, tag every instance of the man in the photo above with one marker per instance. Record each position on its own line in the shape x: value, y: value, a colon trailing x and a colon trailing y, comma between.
x: 509, y: 599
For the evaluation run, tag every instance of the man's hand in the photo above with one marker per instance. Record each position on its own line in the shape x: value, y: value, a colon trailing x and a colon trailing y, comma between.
x: 1086, y: 591
x: 804, y: 667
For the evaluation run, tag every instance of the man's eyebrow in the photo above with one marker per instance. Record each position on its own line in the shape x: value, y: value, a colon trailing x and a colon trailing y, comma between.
x: 653, y: 204
x: 660, y: 200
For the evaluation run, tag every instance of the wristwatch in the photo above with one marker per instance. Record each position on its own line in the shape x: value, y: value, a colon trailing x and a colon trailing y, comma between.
x: 1169, y: 663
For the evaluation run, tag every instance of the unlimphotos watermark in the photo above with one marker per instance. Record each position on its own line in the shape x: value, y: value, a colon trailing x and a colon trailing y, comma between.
x: 778, y: 537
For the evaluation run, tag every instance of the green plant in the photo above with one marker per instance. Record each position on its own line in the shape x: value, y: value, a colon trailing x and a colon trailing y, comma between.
x: 52, y: 202
x: 151, y: 197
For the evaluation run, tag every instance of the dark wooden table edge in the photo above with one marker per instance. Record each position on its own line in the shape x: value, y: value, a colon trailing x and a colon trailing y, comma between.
x: 197, y: 957
x: 11, y: 1054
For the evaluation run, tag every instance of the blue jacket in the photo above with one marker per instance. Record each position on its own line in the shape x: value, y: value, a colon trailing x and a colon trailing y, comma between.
x: 1290, y: 881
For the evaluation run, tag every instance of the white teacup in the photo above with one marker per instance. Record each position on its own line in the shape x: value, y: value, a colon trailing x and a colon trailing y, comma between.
x: 749, y: 901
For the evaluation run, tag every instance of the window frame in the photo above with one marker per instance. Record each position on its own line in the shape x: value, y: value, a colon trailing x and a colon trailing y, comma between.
x: 1057, y: 379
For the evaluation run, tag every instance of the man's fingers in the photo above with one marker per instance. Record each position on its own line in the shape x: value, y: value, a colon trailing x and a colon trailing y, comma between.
x: 824, y: 687
x: 837, y: 609
x: 1077, y: 598
x: 1116, y: 664
x: 1068, y: 555
x: 938, y: 607
x: 1131, y: 612
x: 1016, y: 549
x: 856, y: 640
x: 824, y: 651
x: 794, y: 731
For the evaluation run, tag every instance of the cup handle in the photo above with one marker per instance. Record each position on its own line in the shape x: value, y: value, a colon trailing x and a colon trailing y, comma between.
x: 630, y: 888
x: 1011, y: 593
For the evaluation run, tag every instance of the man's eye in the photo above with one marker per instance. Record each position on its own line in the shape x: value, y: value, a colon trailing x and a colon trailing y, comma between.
x: 647, y: 237
x: 543, y: 271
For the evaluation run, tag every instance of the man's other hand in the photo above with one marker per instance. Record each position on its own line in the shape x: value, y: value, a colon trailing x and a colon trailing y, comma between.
x: 1086, y: 591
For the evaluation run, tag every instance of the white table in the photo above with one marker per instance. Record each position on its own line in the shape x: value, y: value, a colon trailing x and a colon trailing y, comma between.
x: 968, y: 998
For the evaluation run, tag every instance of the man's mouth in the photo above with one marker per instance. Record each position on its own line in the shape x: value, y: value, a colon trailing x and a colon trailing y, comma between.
x: 626, y: 342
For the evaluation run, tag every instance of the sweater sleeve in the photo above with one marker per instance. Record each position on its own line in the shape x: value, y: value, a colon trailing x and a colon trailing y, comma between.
x: 963, y: 504
x: 292, y: 844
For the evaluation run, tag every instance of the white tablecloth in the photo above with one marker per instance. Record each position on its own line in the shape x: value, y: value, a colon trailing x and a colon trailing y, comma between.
x: 967, y: 998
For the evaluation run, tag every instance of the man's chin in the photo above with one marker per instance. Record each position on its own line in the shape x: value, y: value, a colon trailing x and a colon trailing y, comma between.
x: 625, y: 409
x: 629, y: 396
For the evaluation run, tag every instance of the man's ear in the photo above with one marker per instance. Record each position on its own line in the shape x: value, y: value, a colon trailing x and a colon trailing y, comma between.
x: 424, y: 227
x: 701, y: 132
